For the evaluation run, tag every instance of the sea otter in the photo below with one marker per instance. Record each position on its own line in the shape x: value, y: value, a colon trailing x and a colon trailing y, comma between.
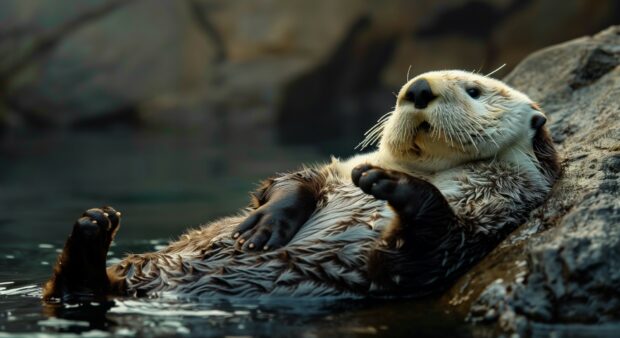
x: 461, y: 161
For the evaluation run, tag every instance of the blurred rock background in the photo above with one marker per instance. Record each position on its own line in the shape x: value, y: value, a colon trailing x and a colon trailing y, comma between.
x: 283, y: 71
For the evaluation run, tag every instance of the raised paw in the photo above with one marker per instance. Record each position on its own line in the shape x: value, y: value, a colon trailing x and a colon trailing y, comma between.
x: 405, y: 193
x: 80, y: 273
x: 424, y: 215
x: 392, y: 186
x: 98, y: 225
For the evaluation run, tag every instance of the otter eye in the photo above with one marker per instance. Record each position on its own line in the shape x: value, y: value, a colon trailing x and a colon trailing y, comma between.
x: 473, y: 92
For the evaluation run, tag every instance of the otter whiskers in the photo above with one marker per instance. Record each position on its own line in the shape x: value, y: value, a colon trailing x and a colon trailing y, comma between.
x: 372, y: 135
x: 496, y: 70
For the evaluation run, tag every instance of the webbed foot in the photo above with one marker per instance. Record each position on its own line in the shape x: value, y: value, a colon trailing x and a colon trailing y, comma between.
x: 80, y: 273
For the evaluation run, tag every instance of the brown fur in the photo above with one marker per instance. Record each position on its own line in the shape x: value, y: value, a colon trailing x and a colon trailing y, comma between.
x: 546, y: 155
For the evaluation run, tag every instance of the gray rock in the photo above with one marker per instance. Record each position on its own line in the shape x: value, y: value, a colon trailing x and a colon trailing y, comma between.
x: 571, y: 245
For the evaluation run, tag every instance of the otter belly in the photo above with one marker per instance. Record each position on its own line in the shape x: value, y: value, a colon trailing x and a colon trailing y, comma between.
x: 326, y: 258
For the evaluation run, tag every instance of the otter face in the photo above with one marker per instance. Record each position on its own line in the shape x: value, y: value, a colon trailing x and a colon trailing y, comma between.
x: 446, y: 118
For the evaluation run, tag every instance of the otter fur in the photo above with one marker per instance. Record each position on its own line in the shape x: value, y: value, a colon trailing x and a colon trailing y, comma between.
x: 461, y: 161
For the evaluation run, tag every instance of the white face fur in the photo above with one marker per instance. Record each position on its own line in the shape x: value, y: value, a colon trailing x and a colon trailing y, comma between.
x: 470, y: 117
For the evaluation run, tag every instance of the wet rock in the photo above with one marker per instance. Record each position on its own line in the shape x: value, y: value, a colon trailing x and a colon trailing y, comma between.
x: 571, y: 245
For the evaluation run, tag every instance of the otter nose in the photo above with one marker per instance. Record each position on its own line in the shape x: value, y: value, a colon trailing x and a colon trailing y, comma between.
x: 420, y: 93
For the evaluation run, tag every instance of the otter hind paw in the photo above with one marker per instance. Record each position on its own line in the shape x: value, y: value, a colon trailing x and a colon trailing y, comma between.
x: 97, y: 226
x: 80, y: 273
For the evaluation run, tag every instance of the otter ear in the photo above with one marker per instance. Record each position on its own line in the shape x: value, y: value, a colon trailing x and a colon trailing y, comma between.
x: 538, y: 120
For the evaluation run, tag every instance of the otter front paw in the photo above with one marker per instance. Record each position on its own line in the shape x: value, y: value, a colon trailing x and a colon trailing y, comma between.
x: 424, y: 215
x: 395, y: 187
x: 266, y: 228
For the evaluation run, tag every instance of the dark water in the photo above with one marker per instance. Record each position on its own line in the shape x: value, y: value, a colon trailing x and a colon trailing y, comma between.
x: 164, y: 184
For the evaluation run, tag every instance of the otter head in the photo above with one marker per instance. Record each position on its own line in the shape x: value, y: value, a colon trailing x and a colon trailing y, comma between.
x: 446, y: 118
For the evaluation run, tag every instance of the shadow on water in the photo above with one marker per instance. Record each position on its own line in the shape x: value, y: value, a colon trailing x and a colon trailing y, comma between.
x: 163, y: 184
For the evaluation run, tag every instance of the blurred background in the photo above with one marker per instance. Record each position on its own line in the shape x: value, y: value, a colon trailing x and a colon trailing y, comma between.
x: 171, y: 110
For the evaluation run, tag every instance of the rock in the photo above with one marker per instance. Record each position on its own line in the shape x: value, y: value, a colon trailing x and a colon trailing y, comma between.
x: 563, y: 266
